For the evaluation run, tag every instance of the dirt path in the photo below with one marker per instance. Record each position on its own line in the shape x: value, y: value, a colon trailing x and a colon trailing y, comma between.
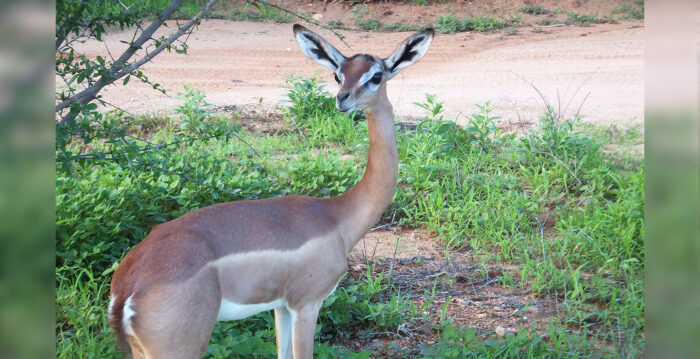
x: 238, y: 63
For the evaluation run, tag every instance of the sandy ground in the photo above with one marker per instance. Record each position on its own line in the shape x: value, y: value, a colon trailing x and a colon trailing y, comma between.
x: 238, y: 63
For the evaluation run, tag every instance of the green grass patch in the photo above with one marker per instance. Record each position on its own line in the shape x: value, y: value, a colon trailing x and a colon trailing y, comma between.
x: 586, y: 20
x: 449, y: 23
x: 629, y: 11
x: 534, y: 10
x: 547, y: 21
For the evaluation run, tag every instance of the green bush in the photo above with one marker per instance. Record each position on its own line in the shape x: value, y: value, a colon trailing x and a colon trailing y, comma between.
x: 320, y: 175
x: 101, y: 213
x: 307, y: 98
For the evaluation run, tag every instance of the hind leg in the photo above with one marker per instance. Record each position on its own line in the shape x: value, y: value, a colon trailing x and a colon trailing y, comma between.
x: 176, y: 322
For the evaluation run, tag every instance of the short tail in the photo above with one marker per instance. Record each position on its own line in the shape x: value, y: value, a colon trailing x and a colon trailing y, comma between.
x: 116, y: 314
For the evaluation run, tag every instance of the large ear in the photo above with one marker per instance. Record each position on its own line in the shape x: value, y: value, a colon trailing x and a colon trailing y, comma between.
x: 318, y: 49
x: 410, y: 51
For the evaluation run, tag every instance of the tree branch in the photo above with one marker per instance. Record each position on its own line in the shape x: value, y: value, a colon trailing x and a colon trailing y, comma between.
x: 61, y: 33
x: 120, y: 69
x: 90, y: 93
x: 167, y: 42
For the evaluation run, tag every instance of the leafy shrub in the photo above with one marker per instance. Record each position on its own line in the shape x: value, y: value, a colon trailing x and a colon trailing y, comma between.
x: 482, y: 131
x: 320, y: 176
x: 101, y: 214
x: 313, y: 110
x: 307, y: 98
x: 248, y: 338
x: 194, y: 111
x: 432, y: 106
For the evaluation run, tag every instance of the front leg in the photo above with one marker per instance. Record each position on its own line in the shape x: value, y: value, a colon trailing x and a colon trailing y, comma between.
x: 304, y: 330
x: 283, y: 331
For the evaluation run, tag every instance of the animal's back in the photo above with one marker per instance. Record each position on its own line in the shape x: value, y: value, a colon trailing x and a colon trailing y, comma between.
x: 213, y: 232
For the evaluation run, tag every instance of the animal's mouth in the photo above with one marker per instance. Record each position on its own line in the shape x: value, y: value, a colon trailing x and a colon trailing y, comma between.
x: 345, y: 109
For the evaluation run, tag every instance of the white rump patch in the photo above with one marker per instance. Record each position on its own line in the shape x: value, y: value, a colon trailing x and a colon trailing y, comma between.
x: 128, y: 313
x: 234, y: 311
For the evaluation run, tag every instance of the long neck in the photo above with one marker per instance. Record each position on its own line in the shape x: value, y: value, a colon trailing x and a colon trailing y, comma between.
x: 361, y: 206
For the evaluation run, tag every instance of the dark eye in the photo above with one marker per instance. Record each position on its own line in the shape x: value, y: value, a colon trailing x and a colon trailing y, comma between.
x: 377, y: 78
x: 336, y: 78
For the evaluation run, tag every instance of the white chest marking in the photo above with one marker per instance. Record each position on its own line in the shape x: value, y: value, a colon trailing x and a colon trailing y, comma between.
x: 234, y: 311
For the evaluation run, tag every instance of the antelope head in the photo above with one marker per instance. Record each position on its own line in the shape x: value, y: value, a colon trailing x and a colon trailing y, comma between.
x: 361, y: 75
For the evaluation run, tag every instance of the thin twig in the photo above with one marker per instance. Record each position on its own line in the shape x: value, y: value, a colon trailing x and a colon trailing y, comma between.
x: 579, y: 88
x: 582, y: 102
x: 102, y: 155
x: 592, y: 241
x: 558, y: 106
x: 393, y: 259
x: 535, y: 88
x: 544, y: 255
x: 246, y: 143
x: 562, y: 163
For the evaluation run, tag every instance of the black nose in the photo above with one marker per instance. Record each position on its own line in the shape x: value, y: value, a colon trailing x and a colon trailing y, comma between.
x: 343, y: 97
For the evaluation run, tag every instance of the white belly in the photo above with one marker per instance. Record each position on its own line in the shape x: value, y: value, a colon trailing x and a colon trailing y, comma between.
x: 234, y: 311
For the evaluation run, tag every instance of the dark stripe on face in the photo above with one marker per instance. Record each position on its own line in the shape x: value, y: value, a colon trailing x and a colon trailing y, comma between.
x: 354, y: 68
x: 408, y: 52
x: 319, y: 51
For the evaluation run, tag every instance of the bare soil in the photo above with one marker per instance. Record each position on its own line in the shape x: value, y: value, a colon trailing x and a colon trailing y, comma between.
x: 449, y: 283
x: 597, y: 69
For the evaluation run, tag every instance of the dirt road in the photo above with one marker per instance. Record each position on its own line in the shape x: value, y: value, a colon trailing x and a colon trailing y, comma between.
x: 238, y: 63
